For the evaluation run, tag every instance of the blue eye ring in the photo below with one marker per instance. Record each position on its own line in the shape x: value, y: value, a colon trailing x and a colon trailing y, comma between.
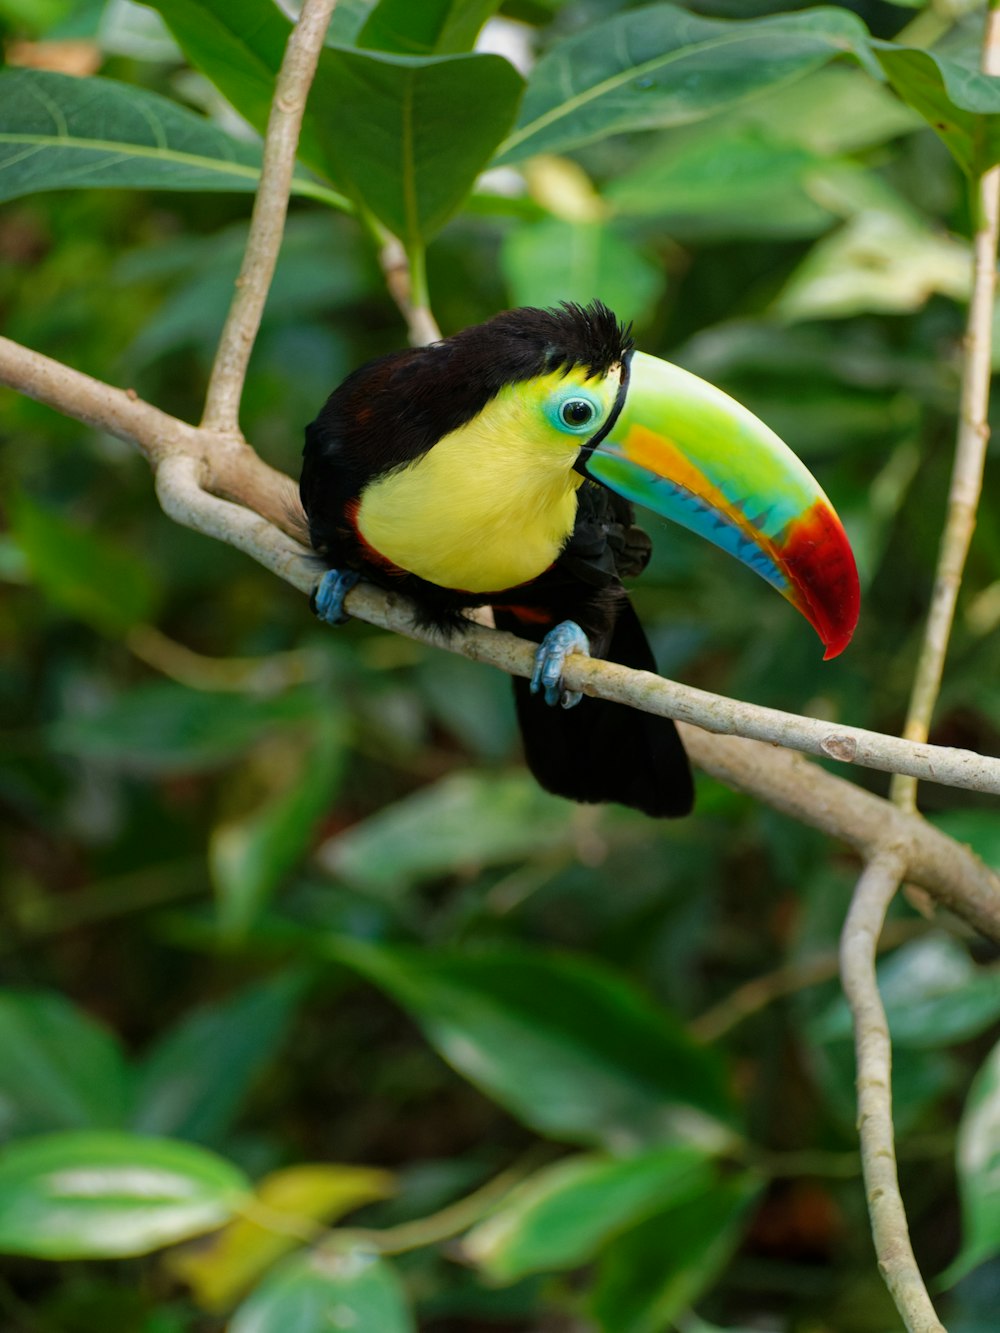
x: 576, y: 412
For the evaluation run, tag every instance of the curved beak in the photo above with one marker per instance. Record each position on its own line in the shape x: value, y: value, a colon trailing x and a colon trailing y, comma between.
x: 687, y: 451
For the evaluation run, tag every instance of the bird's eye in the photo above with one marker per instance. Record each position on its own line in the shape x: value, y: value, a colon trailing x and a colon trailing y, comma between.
x: 577, y: 412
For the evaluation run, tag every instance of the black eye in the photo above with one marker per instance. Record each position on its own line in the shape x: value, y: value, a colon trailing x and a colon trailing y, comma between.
x: 577, y: 412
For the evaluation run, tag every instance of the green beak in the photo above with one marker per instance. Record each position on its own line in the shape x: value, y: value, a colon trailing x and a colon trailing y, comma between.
x: 687, y: 451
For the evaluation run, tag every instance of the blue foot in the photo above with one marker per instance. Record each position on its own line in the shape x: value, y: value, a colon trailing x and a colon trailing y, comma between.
x: 549, y: 660
x: 328, y: 596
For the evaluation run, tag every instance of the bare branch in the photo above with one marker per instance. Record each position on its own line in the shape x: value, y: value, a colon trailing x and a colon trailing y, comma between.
x: 970, y: 450
x: 859, y: 942
x: 120, y: 412
x: 711, y: 712
x: 949, y: 870
x: 180, y: 492
x: 267, y: 222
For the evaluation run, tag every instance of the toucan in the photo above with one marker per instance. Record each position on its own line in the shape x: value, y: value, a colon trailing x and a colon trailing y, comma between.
x: 498, y: 467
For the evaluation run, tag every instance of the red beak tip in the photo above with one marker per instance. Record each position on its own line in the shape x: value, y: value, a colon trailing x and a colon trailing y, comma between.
x: 836, y: 639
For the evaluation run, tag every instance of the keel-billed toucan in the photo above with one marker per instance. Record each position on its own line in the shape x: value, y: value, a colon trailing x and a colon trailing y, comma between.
x: 497, y: 467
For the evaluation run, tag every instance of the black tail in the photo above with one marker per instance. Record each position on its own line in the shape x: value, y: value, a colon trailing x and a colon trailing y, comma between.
x: 601, y: 751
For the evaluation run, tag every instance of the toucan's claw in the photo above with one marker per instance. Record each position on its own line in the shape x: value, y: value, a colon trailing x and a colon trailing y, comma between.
x: 327, y: 600
x: 549, y: 661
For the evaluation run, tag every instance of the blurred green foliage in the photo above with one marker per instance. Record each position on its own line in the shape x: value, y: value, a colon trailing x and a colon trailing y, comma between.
x: 288, y: 934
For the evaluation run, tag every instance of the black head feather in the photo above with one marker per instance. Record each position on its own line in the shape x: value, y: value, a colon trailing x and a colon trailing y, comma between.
x: 395, y: 408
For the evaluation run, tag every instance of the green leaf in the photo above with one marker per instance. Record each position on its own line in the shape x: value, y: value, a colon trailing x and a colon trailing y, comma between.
x: 240, y: 49
x: 978, y: 1164
x: 101, y: 1196
x: 315, y: 273
x: 250, y: 856
x: 81, y: 571
x: 58, y: 1068
x: 58, y: 132
x: 347, y: 20
x: 880, y: 260
x: 562, y: 1215
x: 327, y: 1289
x: 553, y: 261
x: 430, y: 28
x: 222, y: 1269
x: 652, y: 1274
x: 194, y: 1081
x: 474, y: 705
x: 566, y: 1045
x: 35, y: 16
x: 468, y: 819
x: 406, y: 136
x: 836, y: 110
x: 660, y: 65
x: 240, y: 52
x: 728, y: 182
x: 961, y: 105
x: 934, y: 995
x: 168, y: 728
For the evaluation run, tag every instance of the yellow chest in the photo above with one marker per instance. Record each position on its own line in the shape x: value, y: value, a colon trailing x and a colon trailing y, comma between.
x: 482, y: 511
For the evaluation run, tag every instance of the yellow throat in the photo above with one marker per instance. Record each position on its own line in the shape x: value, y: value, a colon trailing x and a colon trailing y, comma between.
x: 492, y: 504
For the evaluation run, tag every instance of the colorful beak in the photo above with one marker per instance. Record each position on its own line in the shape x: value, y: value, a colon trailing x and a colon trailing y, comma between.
x: 687, y: 451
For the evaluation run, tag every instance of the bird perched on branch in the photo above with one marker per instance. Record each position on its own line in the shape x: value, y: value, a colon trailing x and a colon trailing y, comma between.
x: 498, y: 468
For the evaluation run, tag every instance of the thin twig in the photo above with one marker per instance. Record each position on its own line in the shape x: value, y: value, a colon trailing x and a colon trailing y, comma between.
x: 267, y: 222
x: 454, y: 1218
x: 789, y: 979
x: 409, y: 291
x: 970, y: 450
x: 859, y: 942
x: 269, y: 674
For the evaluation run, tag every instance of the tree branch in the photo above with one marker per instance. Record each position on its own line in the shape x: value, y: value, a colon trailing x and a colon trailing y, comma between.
x: 859, y: 942
x: 264, y: 519
x: 267, y: 222
x: 970, y: 450
x: 219, y: 486
x: 212, y: 481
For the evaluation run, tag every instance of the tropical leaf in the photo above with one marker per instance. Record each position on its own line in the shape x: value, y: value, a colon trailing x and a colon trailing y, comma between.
x: 58, y: 1068
x: 660, y: 65
x: 561, y: 1215
x: 961, y: 105
x: 92, y: 1196
x: 430, y: 28
x: 566, y: 1045
x: 59, y: 132
x: 406, y: 136
x: 336, y: 1289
